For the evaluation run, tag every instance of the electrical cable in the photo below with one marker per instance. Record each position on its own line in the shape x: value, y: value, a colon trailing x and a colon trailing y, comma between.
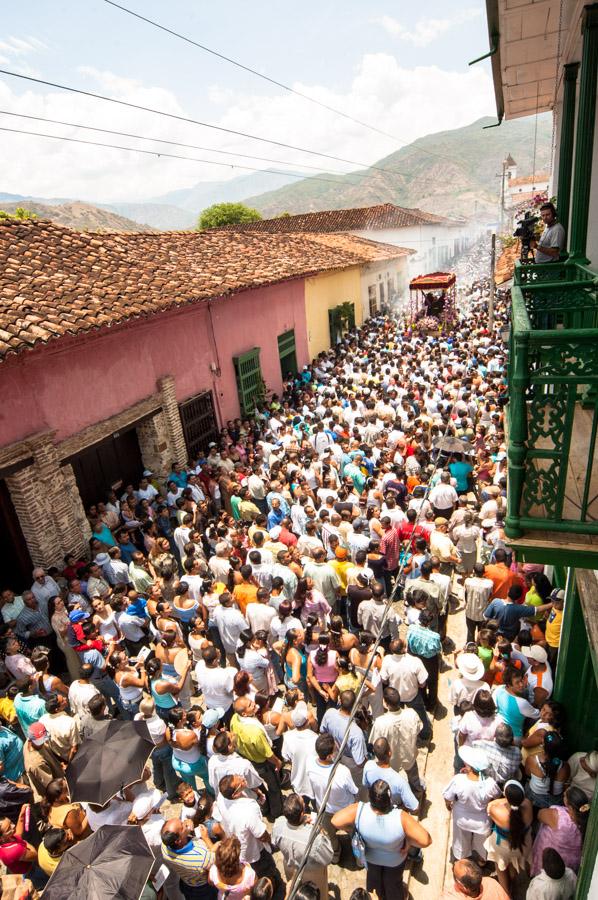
x: 141, y: 137
x: 273, y: 81
x: 245, y: 68
x: 210, y: 162
x: 160, y: 112
x: 295, y: 883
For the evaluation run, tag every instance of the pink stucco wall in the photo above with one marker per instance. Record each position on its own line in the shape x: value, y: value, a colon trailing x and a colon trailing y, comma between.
x: 76, y: 382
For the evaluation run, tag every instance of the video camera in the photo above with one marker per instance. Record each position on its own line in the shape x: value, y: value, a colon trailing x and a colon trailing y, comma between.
x: 526, y: 231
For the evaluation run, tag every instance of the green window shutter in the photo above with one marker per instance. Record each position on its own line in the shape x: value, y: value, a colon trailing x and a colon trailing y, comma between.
x: 286, y: 343
x: 250, y: 384
x: 287, y: 353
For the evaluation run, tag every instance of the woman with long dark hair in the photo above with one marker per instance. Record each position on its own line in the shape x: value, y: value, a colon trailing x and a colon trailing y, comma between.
x: 294, y: 659
x: 548, y: 772
x: 251, y: 660
x: 563, y: 829
x: 188, y: 739
x: 509, y: 844
x: 322, y: 672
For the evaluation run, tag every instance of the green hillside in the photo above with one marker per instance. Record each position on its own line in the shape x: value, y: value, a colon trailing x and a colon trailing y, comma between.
x: 448, y: 172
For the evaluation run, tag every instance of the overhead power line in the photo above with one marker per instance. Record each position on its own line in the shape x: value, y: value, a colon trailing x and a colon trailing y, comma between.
x: 141, y: 137
x: 160, y: 112
x: 280, y: 84
x: 239, y: 65
x: 158, y: 153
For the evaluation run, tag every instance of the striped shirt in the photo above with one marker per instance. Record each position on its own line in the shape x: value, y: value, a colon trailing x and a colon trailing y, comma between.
x: 423, y: 641
x: 191, y: 862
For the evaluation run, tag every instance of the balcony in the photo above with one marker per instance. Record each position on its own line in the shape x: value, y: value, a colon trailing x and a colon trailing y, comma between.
x: 552, y: 417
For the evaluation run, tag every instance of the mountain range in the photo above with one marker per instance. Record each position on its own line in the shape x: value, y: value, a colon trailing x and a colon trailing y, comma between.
x: 455, y: 172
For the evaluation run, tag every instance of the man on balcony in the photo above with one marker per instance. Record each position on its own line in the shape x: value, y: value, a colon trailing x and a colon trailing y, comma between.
x: 552, y: 240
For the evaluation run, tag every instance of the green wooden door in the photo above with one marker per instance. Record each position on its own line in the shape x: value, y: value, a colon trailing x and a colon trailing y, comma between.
x: 250, y: 383
x: 287, y: 353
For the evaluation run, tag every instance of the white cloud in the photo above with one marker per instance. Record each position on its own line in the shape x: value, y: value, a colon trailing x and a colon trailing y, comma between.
x: 425, y: 31
x: 405, y: 102
x: 14, y: 50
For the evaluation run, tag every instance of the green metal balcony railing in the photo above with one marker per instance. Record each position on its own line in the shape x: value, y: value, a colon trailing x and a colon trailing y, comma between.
x: 553, y: 400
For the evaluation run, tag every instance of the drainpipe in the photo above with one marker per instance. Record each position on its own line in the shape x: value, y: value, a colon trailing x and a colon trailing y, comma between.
x: 563, y: 192
x: 584, y: 138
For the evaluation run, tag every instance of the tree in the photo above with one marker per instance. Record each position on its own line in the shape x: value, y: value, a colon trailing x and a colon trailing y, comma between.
x: 19, y: 213
x: 227, y: 214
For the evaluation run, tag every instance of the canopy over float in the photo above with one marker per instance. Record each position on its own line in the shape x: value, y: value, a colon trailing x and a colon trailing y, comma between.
x: 433, y: 295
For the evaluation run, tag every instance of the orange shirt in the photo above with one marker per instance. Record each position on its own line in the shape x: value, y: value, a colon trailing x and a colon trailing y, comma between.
x: 502, y: 578
x: 243, y: 595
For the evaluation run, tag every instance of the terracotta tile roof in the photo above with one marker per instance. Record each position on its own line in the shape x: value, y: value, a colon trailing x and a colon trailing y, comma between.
x: 55, y: 281
x: 366, y: 249
x: 530, y: 179
x: 385, y: 215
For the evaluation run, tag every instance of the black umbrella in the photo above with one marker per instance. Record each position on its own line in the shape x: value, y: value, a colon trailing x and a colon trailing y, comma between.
x: 113, y: 864
x: 450, y: 444
x: 112, y: 757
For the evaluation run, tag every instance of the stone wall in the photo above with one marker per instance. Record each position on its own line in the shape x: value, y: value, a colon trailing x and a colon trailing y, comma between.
x: 44, y: 491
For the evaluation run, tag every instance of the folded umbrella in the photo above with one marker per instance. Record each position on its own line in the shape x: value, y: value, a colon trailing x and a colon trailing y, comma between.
x: 114, y: 863
x: 450, y: 444
x: 111, y: 758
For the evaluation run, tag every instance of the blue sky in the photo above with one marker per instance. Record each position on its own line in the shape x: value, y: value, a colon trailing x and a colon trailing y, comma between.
x: 401, y: 66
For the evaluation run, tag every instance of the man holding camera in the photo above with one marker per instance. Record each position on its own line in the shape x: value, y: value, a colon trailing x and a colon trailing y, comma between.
x: 552, y: 240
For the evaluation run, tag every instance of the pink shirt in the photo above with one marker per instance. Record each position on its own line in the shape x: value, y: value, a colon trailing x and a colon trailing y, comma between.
x: 11, y: 853
x: 328, y: 673
x: 233, y: 891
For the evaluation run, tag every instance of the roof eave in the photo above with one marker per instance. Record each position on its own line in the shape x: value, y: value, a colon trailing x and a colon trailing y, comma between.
x: 493, y: 18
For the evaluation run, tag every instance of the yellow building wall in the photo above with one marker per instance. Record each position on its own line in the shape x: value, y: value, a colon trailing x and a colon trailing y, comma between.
x: 324, y: 292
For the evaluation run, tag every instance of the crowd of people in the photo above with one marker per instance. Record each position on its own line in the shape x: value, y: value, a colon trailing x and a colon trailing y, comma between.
x: 238, y: 608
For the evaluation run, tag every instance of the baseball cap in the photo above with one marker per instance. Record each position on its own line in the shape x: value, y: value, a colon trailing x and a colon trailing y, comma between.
x: 147, y: 473
x: 37, y: 734
x: 440, y: 520
x: 78, y: 615
x: 211, y: 716
x: 299, y: 715
x: 557, y: 594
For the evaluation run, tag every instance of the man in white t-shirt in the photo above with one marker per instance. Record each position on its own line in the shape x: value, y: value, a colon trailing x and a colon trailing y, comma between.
x: 215, y: 683
x: 241, y: 816
x: 344, y: 790
x: 298, y: 748
x: 407, y: 675
x: 80, y: 693
x: 225, y: 761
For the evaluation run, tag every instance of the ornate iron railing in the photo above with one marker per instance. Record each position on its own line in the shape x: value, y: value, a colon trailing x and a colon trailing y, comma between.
x: 553, y: 400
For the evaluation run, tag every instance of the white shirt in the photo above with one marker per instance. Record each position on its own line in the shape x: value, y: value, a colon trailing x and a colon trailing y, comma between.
x: 79, y: 696
x: 230, y: 623
x: 147, y: 493
x: 195, y: 582
x: 43, y: 592
x: 542, y: 887
x: 243, y: 818
x: 299, y: 747
x: 131, y: 626
x: 117, y: 572
x: 260, y: 616
x: 344, y: 790
x: 155, y: 725
x: 443, y: 496
x: 216, y: 685
x: 233, y: 764
x: 181, y: 537
x: 405, y: 673
x: 279, y: 629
